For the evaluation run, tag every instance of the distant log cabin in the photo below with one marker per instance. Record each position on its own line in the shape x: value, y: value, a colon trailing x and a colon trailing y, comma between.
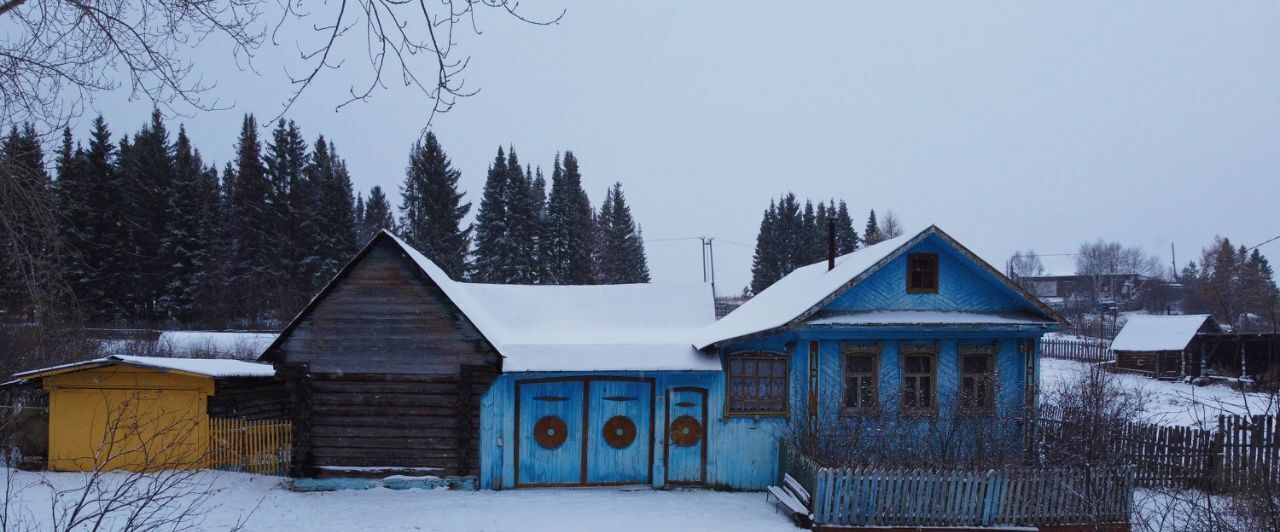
x: 383, y: 370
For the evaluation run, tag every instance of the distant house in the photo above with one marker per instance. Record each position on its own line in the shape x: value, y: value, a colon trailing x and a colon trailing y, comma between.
x: 1061, y: 287
x: 1161, y: 346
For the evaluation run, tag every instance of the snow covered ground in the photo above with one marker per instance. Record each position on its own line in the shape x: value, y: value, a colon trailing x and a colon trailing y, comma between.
x: 270, y: 506
x: 1168, y: 403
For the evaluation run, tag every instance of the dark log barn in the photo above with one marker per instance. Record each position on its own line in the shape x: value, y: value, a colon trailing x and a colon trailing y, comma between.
x: 1160, y: 346
x: 382, y: 371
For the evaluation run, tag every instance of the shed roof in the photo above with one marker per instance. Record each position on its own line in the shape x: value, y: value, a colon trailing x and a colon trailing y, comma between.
x: 215, y: 368
x: 1160, y: 333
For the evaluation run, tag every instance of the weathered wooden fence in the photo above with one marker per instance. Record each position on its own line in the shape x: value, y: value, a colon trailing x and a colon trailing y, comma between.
x: 1077, y: 350
x: 1250, y: 450
x: 938, y: 498
x: 793, y: 462
x: 1242, y: 450
x: 250, y: 446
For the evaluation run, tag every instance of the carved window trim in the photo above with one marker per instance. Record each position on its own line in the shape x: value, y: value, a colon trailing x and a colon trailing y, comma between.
x: 982, y: 401
x: 738, y: 383
x: 922, y: 273
x: 869, y: 380
x: 908, y: 350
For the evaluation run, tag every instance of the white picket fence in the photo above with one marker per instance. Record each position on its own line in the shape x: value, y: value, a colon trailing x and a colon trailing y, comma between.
x: 935, y: 498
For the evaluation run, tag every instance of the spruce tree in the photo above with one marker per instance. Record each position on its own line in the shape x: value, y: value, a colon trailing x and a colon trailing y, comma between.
x: 182, y: 247
x: 293, y: 229
x: 332, y: 211
x: 872, y: 235
x: 538, y: 200
x: 846, y: 236
x: 377, y: 215
x: 142, y: 188
x: 764, y: 263
x: 522, y: 224
x: 209, y: 279
x: 493, y: 243
x: 248, y: 217
x: 620, y: 256
x: 813, y: 240
x: 431, y: 207
x: 570, y: 231
x: 28, y: 260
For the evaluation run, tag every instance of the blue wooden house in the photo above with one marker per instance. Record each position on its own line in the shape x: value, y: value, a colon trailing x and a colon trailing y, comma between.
x: 640, y: 384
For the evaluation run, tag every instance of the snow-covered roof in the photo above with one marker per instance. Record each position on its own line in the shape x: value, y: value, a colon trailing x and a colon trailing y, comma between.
x: 796, y: 293
x: 799, y: 294
x: 925, y: 317
x: 1158, y: 333
x: 638, y: 327
x: 198, y: 366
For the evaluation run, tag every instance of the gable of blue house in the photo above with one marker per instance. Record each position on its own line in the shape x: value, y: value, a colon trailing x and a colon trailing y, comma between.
x: 963, y: 286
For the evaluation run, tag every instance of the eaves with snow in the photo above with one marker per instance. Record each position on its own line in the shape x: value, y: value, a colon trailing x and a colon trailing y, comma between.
x: 215, y: 368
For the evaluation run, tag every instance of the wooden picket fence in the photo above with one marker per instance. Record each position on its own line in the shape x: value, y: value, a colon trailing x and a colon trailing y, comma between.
x: 1093, y: 351
x: 262, y: 447
x: 1250, y: 450
x: 1242, y: 450
x: 940, y: 498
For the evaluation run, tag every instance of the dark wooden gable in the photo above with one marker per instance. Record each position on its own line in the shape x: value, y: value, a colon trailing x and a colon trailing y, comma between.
x: 382, y: 370
x: 382, y: 315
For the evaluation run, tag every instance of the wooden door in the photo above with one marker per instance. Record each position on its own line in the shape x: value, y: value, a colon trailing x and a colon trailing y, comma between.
x: 619, y: 431
x: 549, y: 432
x: 686, y: 441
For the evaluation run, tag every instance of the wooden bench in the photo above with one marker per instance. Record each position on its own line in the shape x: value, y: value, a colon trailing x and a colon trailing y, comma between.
x: 794, y: 497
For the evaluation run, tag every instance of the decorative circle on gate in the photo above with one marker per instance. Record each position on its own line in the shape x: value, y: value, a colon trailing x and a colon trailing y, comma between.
x: 619, y: 432
x: 550, y: 432
x: 686, y: 431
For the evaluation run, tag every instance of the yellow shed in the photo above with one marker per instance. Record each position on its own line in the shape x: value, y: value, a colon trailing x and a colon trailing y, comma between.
x: 134, y: 413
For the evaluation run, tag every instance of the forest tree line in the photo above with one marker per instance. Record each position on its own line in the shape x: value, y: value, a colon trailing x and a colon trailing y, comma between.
x: 792, y: 236
x: 140, y: 230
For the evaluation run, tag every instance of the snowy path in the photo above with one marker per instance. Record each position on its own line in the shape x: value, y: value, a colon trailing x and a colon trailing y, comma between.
x: 601, y: 509
x: 1168, y: 403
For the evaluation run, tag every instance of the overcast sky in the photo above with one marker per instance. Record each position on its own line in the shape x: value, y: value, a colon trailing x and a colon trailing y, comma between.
x: 1012, y: 125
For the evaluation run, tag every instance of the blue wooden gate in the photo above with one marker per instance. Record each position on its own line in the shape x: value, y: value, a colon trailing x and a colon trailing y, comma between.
x: 619, y: 432
x: 552, y: 447
x: 686, y: 441
x: 549, y: 441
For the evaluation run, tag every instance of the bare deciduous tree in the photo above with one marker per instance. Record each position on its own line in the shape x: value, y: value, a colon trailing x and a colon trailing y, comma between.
x: 890, y: 225
x: 56, y: 55
x: 1102, y: 263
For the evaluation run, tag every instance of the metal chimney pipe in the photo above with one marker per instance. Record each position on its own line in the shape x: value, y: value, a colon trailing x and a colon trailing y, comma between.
x: 831, y: 243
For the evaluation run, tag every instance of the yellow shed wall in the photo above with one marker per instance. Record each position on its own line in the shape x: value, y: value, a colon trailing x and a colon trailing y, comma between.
x: 128, y: 418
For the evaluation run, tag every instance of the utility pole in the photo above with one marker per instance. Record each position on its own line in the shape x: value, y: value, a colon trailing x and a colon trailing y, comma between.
x: 1173, y: 254
x: 709, y: 259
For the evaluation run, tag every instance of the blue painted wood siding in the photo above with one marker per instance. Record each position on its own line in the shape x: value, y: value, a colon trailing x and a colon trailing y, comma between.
x: 962, y: 286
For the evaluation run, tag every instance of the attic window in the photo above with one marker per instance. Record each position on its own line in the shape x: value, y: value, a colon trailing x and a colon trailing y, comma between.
x: 922, y: 273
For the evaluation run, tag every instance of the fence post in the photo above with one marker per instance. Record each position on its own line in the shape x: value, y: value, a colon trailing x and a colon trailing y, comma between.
x: 990, y: 494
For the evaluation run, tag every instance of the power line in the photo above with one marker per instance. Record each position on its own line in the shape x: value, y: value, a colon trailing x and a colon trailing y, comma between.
x: 1270, y: 240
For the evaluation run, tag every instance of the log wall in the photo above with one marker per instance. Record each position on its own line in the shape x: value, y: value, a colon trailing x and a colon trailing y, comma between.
x: 382, y: 370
